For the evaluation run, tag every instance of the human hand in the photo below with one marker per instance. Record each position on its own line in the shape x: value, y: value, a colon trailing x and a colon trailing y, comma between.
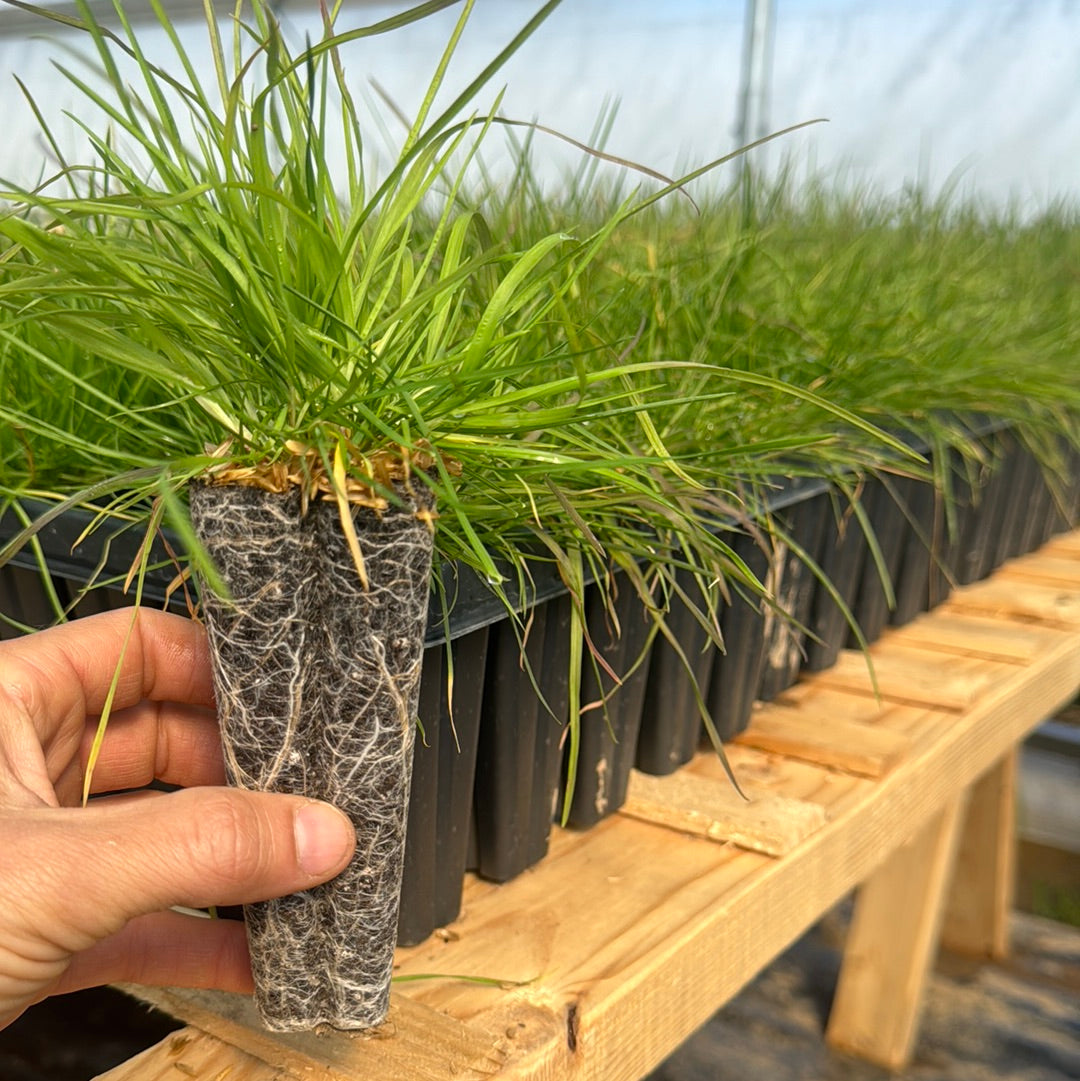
x: 85, y: 893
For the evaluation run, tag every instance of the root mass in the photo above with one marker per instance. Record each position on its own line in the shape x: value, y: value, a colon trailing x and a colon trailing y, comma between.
x: 316, y: 682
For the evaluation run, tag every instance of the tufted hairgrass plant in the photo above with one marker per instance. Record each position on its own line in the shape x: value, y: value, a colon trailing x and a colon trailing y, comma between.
x: 225, y: 284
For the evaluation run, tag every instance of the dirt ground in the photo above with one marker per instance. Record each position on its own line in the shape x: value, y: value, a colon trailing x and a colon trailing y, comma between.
x: 1014, y: 1021
x: 76, y: 1037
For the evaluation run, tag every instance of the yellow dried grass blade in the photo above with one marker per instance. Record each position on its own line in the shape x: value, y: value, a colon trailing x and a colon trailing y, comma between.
x: 576, y: 586
x: 348, y: 526
x: 106, y: 710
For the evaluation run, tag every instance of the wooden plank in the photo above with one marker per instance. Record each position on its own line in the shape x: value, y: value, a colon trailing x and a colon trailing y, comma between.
x: 908, y: 676
x: 1043, y: 568
x: 981, y: 898
x: 891, y: 944
x: 190, y: 1053
x: 918, y: 724
x: 970, y: 635
x: 782, y: 775
x: 414, y: 1042
x: 1065, y: 546
x: 1031, y: 602
x: 867, y: 750
x: 690, y: 803
x: 837, y: 702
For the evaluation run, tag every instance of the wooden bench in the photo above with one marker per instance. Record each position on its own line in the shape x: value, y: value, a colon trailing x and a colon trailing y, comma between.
x: 600, y: 961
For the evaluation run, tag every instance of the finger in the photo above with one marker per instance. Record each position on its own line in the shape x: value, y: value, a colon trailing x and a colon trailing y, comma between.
x: 176, y: 744
x: 117, y: 859
x: 56, y: 678
x: 165, y: 949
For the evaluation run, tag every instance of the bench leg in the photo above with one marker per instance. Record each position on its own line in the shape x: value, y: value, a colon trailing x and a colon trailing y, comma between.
x: 891, y: 945
x: 977, y: 916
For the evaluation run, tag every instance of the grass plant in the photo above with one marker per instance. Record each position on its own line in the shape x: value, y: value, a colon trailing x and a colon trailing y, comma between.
x: 322, y: 358
x: 215, y: 295
x: 207, y: 294
x: 921, y: 315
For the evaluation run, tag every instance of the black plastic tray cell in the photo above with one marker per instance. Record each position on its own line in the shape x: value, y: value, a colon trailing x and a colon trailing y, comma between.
x: 956, y: 542
x: 519, y: 755
x: 991, y: 518
x: 893, y: 532
x: 1063, y: 496
x: 1072, y: 491
x: 912, y: 585
x: 554, y: 680
x: 1040, y: 513
x: 843, y: 554
x: 1064, y: 512
x: 671, y: 717
x: 23, y: 598
x: 8, y: 585
x: 609, y: 735
x: 1019, y: 470
x: 954, y: 524
x: 1069, y: 514
x: 472, y: 857
x: 945, y: 547
x: 440, y: 798
x: 971, y: 555
x: 416, y: 918
x: 1025, y: 484
x: 108, y: 600
x: 113, y: 548
x: 736, y: 672
x: 458, y: 738
x: 1022, y: 478
x: 793, y: 583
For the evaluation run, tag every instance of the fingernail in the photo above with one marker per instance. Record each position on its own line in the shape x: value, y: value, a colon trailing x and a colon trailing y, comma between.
x: 324, y: 838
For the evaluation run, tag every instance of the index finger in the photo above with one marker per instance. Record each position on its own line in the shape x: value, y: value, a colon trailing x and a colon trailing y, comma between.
x: 58, y: 676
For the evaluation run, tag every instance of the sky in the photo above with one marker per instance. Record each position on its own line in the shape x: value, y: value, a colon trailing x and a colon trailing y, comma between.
x: 980, y: 94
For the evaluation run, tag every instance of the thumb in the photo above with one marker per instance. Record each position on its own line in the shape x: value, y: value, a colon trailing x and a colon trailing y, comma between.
x: 198, y: 847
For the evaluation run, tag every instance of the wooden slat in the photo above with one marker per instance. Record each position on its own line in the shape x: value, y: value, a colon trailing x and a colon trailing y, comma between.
x: 690, y: 803
x: 1066, y: 546
x: 908, y: 676
x: 414, y: 1042
x: 1042, y: 568
x: 1030, y: 602
x: 633, y: 998
x: 979, y: 636
x: 891, y: 944
x: 781, y: 775
x: 919, y: 725
x: 190, y: 1053
x: 867, y: 750
x: 977, y: 916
